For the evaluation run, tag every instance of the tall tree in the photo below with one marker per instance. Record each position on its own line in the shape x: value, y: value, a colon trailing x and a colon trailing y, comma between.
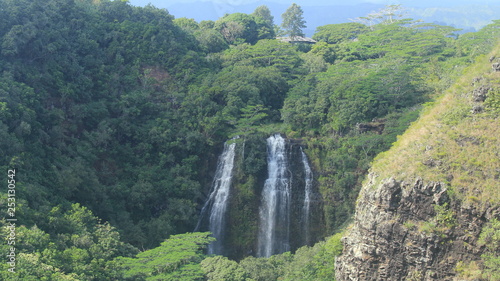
x: 293, y: 21
x: 264, y: 12
x: 265, y: 22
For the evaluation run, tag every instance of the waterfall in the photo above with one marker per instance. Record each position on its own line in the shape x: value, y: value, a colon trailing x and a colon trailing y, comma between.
x: 274, y: 212
x: 285, y: 207
x: 308, y: 178
x: 217, y: 201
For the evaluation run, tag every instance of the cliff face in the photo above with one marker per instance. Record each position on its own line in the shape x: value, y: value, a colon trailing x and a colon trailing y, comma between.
x: 409, y: 231
x: 427, y: 202
x: 241, y: 228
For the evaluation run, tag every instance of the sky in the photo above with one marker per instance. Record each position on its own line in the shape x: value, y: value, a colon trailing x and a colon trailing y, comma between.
x: 424, y: 3
x: 466, y: 14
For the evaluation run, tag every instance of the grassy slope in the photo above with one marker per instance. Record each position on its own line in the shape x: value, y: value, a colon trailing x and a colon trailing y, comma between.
x: 449, y: 143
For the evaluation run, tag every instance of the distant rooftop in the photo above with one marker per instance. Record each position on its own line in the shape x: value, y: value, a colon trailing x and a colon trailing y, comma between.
x: 297, y: 39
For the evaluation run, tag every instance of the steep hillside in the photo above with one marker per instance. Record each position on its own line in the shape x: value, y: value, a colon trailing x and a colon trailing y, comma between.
x: 429, y: 208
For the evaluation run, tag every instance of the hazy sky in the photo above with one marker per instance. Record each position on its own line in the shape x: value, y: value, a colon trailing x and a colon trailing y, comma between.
x: 414, y: 3
x: 465, y: 14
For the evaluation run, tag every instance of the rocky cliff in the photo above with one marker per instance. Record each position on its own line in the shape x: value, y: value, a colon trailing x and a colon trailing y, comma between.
x: 426, y: 209
x: 410, y: 231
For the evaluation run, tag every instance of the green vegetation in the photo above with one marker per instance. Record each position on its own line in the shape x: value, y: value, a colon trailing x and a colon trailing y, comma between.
x: 308, y: 264
x: 293, y: 21
x: 178, y: 258
x: 490, y: 237
x: 338, y: 33
x: 492, y: 103
x: 453, y: 143
x: 443, y: 221
x: 114, y: 119
x: 73, y: 246
x: 488, y: 267
x: 221, y: 268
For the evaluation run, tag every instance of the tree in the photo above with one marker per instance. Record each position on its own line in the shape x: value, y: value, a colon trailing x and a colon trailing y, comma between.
x: 231, y: 31
x: 220, y: 268
x: 325, y: 50
x: 238, y: 28
x: 70, y: 244
x: 314, y: 63
x: 265, y: 22
x: 263, y: 269
x: 210, y: 40
x: 189, y: 25
x: 266, y: 53
x: 251, y: 116
x: 264, y: 13
x: 293, y: 21
x: 336, y: 33
x: 178, y: 258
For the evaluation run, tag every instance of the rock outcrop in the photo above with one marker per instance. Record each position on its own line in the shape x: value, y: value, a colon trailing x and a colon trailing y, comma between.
x: 409, y: 231
x: 408, y: 227
x: 480, y: 93
x: 375, y: 126
x: 496, y: 66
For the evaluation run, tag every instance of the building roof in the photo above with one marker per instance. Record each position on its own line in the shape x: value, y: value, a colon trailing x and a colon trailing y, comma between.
x: 297, y: 39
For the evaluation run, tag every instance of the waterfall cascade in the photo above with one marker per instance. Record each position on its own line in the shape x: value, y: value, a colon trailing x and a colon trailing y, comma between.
x: 274, y: 212
x: 306, y: 209
x: 217, y: 202
x: 284, y: 208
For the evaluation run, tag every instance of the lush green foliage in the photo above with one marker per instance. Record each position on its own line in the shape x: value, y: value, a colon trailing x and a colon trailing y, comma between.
x: 265, y: 21
x: 220, y: 268
x: 490, y: 238
x: 238, y: 28
x: 293, y: 21
x: 123, y: 110
x: 337, y: 33
x: 177, y: 258
x: 68, y: 244
x: 83, y: 98
x: 493, y: 101
x: 307, y: 263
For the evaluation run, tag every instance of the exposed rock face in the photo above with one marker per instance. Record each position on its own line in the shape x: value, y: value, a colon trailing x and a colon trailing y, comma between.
x: 476, y: 80
x: 376, y: 126
x: 398, y: 234
x: 476, y: 109
x: 479, y: 94
x: 496, y: 66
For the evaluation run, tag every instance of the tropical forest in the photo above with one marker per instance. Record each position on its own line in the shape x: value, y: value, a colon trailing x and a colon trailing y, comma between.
x: 136, y: 145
